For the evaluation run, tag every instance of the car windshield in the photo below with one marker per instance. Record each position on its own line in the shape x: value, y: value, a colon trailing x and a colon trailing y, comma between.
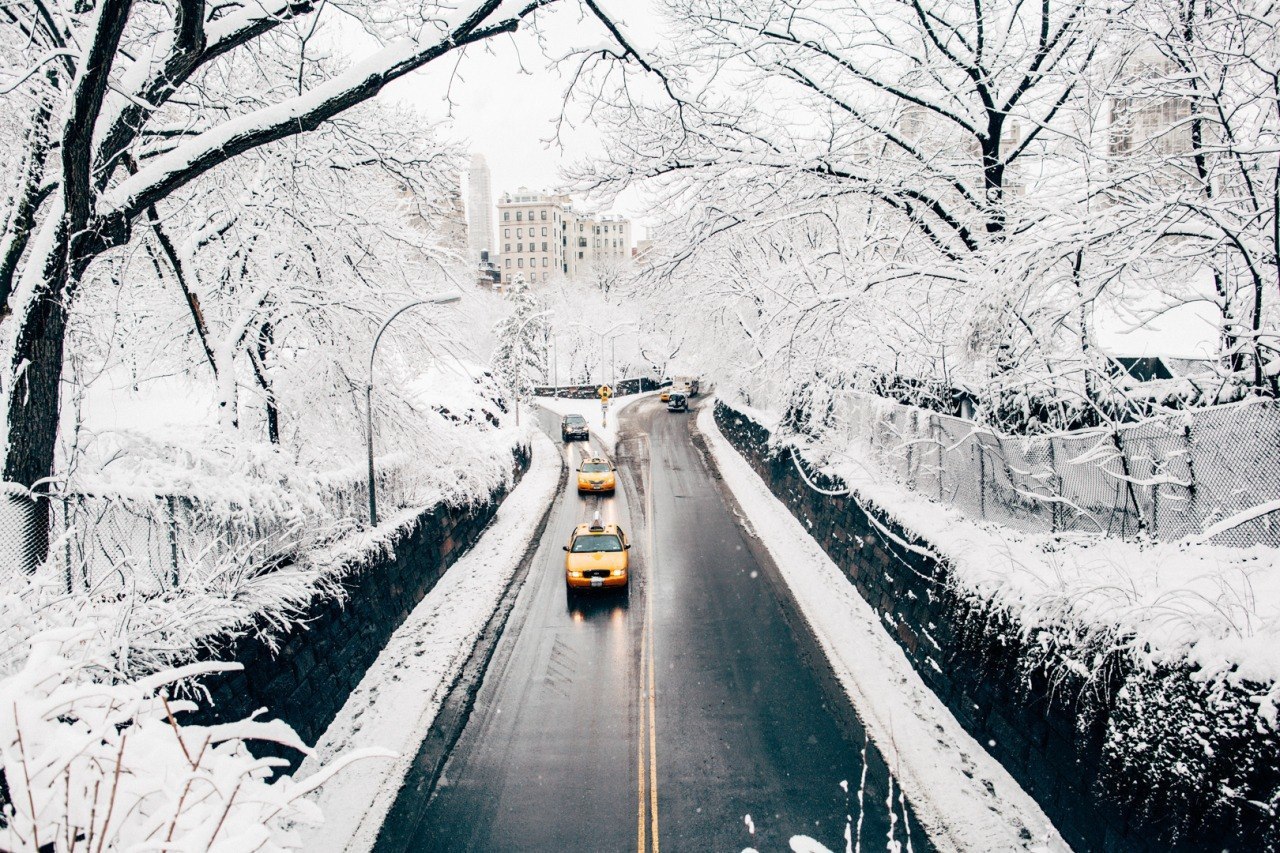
x: 575, y: 420
x: 594, y: 467
x: 597, y: 542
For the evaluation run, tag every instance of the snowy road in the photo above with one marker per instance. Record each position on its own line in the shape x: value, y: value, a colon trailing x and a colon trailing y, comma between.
x: 697, y: 714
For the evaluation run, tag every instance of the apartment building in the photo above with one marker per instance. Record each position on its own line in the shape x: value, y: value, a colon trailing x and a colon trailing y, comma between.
x: 531, y: 234
x: 542, y: 235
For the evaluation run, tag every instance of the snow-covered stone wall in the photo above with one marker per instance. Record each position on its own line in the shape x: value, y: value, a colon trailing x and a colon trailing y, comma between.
x: 1122, y: 757
x: 305, y: 675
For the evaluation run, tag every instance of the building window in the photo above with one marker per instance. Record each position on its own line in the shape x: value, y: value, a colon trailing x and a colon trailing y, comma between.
x: 519, y: 232
x: 544, y: 261
x: 508, y: 263
x: 506, y: 216
x: 544, y: 214
x: 520, y: 262
x: 579, y: 257
x: 544, y: 230
x: 506, y: 247
x: 544, y: 245
x: 519, y: 247
x: 519, y: 215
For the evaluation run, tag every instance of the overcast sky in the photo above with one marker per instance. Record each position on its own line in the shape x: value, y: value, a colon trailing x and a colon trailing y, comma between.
x: 503, y: 100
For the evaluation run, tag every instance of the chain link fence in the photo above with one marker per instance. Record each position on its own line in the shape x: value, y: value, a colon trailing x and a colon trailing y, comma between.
x: 1198, y: 473
x: 109, y: 543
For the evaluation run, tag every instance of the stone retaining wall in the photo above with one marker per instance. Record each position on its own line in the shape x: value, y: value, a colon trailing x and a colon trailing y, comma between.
x: 322, y: 659
x: 1129, y: 760
x: 588, y: 392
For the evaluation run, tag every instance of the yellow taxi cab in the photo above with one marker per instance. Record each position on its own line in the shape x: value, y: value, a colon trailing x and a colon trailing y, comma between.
x: 596, y: 557
x: 666, y: 394
x: 597, y: 475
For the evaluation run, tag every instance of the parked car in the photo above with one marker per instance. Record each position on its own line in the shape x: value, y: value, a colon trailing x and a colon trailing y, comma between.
x: 574, y: 428
x: 597, y: 475
x: 677, y: 402
x: 596, y: 557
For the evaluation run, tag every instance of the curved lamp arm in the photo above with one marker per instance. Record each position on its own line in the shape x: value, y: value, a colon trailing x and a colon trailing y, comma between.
x: 437, y: 299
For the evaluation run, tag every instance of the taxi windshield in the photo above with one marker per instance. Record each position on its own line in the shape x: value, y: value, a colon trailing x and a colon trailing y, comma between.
x: 597, y: 542
x: 594, y: 467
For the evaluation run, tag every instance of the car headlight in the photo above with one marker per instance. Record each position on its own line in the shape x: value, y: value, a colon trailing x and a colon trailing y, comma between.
x: 617, y: 573
x: 575, y: 574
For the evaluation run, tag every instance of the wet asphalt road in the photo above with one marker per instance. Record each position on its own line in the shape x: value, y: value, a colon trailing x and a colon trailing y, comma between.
x: 695, y: 713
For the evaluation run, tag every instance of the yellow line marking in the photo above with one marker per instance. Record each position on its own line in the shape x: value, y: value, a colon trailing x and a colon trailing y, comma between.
x: 640, y: 768
x: 653, y: 692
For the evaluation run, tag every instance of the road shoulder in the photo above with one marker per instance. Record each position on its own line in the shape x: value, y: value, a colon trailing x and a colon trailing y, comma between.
x: 964, y: 797
x: 419, y: 677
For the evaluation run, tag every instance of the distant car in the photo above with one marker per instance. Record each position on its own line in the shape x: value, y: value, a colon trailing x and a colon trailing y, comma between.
x: 597, y: 557
x: 677, y: 402
x: 666, y: 394
x: 597, y: 475
x: 574, y: 427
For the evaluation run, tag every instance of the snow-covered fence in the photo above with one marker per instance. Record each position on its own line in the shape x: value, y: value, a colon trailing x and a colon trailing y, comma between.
x: 21, y: 528
x: 152, y: 543
x: 1212, y: 473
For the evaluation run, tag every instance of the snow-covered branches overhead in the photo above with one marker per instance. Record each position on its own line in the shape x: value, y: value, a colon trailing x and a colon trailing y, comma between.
x: 155, y: 122
x: 983, y: 199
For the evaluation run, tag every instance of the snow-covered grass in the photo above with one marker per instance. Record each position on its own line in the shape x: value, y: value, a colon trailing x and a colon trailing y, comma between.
x: 963, y: 796
x: 605, y: 431
x: 396, y: 702
x: 96, y: 761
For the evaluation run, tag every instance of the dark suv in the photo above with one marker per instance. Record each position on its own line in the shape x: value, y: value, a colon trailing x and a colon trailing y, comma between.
x: 573, y: 427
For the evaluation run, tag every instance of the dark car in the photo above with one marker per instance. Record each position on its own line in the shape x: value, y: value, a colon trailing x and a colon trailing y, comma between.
x: 677, y: 402
x: 574, y: 427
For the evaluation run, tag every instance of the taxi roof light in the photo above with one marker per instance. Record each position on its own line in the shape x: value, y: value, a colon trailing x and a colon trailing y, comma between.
x: 595, y: 522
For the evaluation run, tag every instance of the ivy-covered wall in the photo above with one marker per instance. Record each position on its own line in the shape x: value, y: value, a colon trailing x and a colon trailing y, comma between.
x: 310, y: 675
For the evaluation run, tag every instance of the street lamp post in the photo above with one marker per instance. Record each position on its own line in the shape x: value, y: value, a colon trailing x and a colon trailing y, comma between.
x: 607, y: 334
x: 438, y: 299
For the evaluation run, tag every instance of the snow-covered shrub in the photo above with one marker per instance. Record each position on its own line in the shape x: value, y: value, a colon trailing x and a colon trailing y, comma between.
x: 98, y: 763
x: 1194, y: 751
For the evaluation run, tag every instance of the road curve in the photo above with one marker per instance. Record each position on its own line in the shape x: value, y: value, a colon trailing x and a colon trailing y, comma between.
x: 697, y: 713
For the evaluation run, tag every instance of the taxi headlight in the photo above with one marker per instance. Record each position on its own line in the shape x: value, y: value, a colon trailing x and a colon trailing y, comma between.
x: 574, y: 574
x: 617, y: 573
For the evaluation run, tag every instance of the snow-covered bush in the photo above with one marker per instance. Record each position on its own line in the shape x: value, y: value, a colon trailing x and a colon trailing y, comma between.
x: 98, y: 763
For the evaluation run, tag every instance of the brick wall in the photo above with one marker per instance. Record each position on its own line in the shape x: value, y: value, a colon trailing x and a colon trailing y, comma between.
x: 1056, y: 736
x: 320, y: 661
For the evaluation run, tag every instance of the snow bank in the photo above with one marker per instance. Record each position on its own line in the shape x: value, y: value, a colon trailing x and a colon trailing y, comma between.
x: 963, y: 796
x: 400, y: 695
x: 90, y: 756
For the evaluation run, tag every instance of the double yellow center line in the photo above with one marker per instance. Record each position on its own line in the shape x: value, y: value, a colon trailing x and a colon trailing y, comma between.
x: 647, y: 763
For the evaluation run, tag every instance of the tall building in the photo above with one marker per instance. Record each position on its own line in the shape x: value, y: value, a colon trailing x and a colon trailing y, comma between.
x: 479, y: 208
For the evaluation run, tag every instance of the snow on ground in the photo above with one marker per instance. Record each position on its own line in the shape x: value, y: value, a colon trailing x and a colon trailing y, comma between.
x: 605, y: 433
x: 399, y: 697
x: 965, y: 798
